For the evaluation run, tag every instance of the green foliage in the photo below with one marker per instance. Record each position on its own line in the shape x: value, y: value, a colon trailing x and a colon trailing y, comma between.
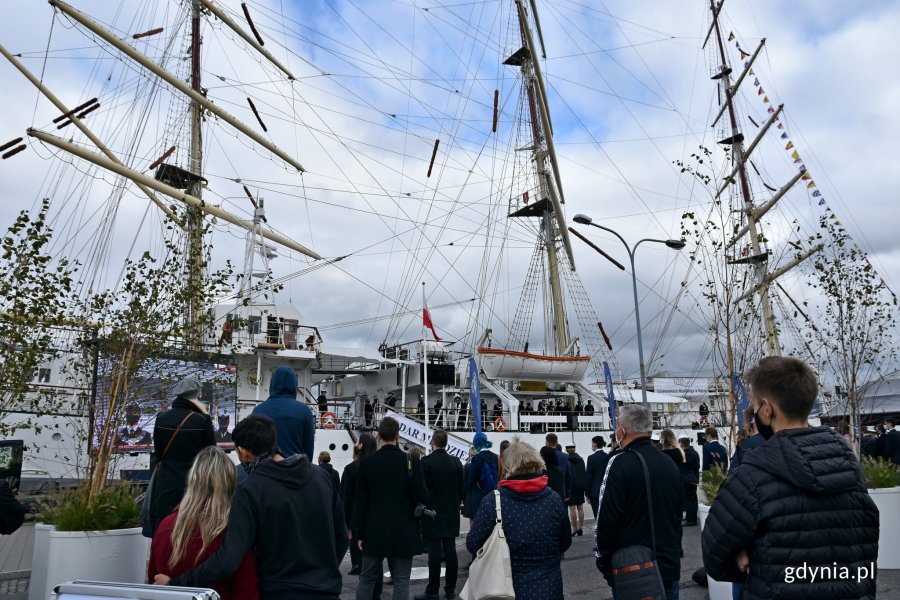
x: 35, y: 296
x: 143, y: 320
x: 113, y: 507
x: 736, y: 330
x: 880, y: 473
x: 711, y: 481
x: 854, y: 319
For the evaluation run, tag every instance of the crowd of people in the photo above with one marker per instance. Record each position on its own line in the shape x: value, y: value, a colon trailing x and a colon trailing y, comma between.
x: 794, y: 495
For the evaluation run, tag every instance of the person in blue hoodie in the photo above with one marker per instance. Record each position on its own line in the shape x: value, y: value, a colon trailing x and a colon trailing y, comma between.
x: 293, y: 419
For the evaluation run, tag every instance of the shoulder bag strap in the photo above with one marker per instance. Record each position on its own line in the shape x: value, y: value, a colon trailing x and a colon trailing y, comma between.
x: 499, y: 525
x: 649, y: 499
x: 172, y: 439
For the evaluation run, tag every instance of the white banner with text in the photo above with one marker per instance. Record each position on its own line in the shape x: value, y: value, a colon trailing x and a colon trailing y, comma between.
x: 682, y: 387
x: 416, y: 432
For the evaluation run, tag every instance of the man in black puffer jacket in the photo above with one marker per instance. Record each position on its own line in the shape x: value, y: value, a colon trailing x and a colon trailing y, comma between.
x: 795, y: 520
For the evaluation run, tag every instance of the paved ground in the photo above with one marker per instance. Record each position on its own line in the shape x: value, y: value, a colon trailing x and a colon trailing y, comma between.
x: 14, y: 585
x: 580, y: 576
x: 582, y: 580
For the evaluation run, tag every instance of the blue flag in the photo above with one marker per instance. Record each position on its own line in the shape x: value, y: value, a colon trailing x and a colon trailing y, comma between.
x: 742, y: 400
x: 610, y: 395
x: 475, y: 393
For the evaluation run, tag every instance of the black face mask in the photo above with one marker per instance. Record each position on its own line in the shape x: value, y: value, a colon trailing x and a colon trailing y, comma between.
x: 764, y: 430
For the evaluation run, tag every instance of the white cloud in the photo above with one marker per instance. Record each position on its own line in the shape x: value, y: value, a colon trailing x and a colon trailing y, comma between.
x: 400, y: 76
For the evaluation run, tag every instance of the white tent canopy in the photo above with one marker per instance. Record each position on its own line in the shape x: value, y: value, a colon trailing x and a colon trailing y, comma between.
x: 878, y: 398
x: 635, y: 396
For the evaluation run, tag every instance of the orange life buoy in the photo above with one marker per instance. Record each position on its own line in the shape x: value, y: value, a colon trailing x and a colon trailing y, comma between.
x: 499, y: 424
x: 329, y: 420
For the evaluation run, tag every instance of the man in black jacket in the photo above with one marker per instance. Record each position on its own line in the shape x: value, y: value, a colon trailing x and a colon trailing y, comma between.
x: 797, y: 503
x: 445, y: 483
x: 179, y: 434
x: 325, y: 464
x: 690, y: 478
x: 624, y: 516
x: 596, y: 467
x: 891, y: 441
x: 552, y: 442
x: 289, y: 512
x: 389, y: 486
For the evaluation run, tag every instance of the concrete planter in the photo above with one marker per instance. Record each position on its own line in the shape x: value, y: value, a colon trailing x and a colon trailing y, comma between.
x: 888, y: 502
x: 718, y: 590
x: 118, y: 555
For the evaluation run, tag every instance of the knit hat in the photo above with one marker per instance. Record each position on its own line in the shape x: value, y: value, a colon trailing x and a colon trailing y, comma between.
x: 189, y: 388
x: 480, y: 441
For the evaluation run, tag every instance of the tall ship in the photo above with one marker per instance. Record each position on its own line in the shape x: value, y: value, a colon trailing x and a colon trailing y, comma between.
x: 389, y: 210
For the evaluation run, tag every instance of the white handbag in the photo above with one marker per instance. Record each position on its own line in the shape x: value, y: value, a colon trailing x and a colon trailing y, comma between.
x: 490, y: 574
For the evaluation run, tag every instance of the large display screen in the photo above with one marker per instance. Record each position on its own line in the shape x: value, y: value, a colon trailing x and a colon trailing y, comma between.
x: 150, y: 393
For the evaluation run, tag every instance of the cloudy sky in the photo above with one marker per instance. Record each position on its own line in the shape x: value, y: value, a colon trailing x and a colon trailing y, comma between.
x: 377, y: 82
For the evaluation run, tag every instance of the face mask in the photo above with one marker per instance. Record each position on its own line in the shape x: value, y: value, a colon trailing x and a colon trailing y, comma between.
x: 618, y: 439
x: 764, y: 430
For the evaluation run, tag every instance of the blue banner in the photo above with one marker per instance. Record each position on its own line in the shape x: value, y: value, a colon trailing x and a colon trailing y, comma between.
x: 610, y: 396
x: 742, y: 401
x: 475, y: 393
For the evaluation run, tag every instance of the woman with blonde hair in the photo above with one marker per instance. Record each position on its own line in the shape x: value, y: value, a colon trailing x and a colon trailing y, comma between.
x: 671, y: 447
x: 195, y: 529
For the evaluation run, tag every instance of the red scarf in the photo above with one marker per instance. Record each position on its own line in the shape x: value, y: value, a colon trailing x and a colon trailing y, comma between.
x: 524, y: 486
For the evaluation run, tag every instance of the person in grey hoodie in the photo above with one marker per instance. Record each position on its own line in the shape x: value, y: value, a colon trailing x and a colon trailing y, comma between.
x: 293, y: 420
x: 289, y: 512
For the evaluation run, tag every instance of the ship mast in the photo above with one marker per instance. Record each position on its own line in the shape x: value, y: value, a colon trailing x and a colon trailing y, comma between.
x: 549, y: 205
x: 195, y: 263
x: 757, y: 258
x: 185, y: 186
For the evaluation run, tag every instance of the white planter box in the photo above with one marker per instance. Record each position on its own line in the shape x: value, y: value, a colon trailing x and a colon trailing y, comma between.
x: 888, y: 502
x: 718, y: 590
x: 118, y: 555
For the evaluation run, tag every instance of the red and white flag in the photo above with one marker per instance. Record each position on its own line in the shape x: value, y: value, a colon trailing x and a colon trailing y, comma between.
x: 426, y: 320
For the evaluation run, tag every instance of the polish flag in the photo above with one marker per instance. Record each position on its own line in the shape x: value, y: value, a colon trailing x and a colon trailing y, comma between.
x: 426, y: 320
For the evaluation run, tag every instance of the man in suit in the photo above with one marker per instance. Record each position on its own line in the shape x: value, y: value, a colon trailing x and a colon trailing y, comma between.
x: 713, y: 452
x: 553, y: 443
x: 445, y: 483
x: 390, y: 484
x: 596, y: 467
x: 690, y: 478
x: 891, y: 441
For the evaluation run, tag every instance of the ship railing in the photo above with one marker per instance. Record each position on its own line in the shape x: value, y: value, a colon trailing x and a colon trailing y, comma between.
x: 273, y: 333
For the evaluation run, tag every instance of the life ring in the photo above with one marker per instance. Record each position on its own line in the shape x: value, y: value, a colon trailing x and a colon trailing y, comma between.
x: 499, y: 424
x: 329, y: 420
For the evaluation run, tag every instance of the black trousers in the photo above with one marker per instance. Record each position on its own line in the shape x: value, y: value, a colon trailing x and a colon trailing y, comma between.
x: 434, y: 547
x: 690, y: 502
x: 595, y: 504
x: 355, y: 552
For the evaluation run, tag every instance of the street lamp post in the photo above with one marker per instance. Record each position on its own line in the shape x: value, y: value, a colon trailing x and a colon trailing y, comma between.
x: 674, y: 244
